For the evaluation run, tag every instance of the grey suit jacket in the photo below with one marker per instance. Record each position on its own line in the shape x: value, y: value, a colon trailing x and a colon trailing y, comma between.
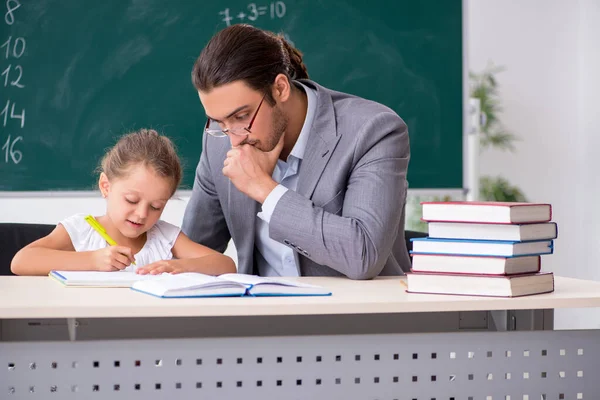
x: 347, y: 215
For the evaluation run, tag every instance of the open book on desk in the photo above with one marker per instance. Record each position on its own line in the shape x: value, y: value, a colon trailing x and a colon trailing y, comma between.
x: 199, y: 285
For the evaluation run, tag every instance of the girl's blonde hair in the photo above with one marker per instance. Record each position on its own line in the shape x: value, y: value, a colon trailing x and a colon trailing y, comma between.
x: 146, y: 147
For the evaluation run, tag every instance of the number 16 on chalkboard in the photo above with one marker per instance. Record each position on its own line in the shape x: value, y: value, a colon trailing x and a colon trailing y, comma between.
x: 10, y: 153
x: 4, y: 114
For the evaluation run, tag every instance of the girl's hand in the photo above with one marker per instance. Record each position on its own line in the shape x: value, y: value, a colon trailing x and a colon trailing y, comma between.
x: 112, y: 258
x: 159, y: 267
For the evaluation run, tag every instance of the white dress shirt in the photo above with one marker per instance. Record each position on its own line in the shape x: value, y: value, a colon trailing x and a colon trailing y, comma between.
x: 274, y: 258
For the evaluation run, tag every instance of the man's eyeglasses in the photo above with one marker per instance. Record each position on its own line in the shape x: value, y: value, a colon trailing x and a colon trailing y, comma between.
x: 238, y: 131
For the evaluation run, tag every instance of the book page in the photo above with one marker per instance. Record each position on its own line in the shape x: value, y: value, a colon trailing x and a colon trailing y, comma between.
x: 194, y: 280
x: 190, y: 284
x: 259, y: 280
x: 101, y: 276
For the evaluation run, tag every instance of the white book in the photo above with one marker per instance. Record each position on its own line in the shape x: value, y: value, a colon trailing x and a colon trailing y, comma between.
x: 481, y: 247
x: 477, y: 285
x: 99, y: 278
x: 516, y: 232
x: 443, y: 263
x: 201, y: 285
x: 486, y: 212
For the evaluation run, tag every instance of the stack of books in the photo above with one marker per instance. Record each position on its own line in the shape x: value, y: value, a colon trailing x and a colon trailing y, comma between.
x: 483, y: 249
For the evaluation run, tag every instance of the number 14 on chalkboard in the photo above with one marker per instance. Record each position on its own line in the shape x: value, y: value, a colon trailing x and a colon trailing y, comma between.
x: 4, y: 114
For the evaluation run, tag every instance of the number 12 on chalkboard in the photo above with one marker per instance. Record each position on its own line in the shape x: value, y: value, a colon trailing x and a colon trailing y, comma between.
x: 4, y: 114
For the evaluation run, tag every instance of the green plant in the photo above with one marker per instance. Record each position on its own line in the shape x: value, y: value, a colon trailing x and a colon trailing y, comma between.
x: 484, y: 87
x: 499, y: 189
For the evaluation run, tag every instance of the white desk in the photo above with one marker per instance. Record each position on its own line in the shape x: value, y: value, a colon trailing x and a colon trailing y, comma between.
x: 368, y: 340
x: 41, y: 297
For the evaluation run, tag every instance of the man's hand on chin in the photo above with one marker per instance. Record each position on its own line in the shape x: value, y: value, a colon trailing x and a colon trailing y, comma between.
x: 250, y: 169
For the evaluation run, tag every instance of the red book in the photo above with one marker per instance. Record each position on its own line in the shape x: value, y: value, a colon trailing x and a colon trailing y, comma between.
x: 486, y: 212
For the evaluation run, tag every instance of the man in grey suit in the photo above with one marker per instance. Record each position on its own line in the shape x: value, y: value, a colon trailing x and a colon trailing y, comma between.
x: 306, y: 180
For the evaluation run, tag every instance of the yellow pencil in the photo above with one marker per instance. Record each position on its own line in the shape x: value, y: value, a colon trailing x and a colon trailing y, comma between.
x: 100, y: 229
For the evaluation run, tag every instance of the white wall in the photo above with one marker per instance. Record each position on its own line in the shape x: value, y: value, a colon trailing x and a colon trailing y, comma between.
x: 550, y: 97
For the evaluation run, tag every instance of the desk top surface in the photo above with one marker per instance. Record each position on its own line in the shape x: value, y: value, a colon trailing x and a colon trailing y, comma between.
x: 42, y: 297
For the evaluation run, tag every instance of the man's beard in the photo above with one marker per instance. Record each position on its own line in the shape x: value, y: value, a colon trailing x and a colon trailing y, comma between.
x: 280, y: 124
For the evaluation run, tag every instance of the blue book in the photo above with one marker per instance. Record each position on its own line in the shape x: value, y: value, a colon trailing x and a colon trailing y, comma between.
x: 227, y: 285
x: 492, y: 248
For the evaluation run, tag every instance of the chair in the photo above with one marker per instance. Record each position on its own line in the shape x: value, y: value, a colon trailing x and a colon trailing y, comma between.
x: 15, y: 236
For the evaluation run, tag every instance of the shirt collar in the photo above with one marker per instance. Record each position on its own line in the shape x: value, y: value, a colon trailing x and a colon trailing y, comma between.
x: 311, y: 99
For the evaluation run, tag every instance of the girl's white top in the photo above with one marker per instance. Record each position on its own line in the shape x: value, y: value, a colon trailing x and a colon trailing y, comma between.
x: 160, y: 239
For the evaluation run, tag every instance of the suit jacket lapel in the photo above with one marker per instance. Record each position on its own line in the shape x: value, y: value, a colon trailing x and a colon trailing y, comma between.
x: 322, y: 141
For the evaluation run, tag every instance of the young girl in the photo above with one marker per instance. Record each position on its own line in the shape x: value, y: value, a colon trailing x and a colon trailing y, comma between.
x: 138, y: 176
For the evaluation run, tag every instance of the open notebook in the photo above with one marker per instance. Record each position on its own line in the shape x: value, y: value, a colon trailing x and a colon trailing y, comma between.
x: 99, y: 279
x: 200, y: 285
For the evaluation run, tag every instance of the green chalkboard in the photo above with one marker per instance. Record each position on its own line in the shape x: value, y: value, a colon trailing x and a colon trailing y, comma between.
x: 77, y: 74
